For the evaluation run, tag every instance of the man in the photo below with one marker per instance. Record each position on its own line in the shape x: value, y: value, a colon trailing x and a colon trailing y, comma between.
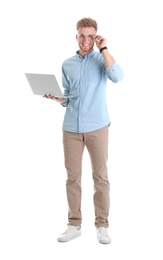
x: 86, y: 123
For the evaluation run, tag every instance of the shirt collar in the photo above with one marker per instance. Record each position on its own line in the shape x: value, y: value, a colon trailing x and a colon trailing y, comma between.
x: 87, y: 56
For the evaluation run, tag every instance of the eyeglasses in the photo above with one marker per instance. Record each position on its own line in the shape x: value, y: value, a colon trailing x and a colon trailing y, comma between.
x: 84, y: 36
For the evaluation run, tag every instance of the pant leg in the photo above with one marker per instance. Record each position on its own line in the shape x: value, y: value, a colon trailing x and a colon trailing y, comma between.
x: 73, y: 150
x: 97, y: 145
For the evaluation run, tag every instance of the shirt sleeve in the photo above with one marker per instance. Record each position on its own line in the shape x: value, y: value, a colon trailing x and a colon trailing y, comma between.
x: 64, y: 104
x: 115, y: 73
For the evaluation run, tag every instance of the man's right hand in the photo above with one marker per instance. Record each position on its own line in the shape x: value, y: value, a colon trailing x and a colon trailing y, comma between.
x: 59, y: 100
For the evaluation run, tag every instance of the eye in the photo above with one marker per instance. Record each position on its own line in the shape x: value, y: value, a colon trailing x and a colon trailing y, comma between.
x: 90, y: 36
x: 81, y: 36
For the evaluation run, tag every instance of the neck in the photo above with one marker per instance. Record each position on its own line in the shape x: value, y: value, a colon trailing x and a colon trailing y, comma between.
x: 81, y: 53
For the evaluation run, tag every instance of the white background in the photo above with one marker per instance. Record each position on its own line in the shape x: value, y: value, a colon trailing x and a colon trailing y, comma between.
x: 36, y: 36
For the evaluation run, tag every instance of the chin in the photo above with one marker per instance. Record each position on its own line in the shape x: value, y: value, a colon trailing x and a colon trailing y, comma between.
x: 87, y: 49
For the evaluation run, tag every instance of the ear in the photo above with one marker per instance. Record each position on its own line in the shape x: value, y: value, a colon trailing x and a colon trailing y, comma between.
x: 76, y: 37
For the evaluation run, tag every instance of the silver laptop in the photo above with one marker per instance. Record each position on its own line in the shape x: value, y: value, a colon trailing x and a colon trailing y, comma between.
x: 45, y: 84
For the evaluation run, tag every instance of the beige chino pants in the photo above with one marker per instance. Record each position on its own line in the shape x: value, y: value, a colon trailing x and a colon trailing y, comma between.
x: 97, y: 144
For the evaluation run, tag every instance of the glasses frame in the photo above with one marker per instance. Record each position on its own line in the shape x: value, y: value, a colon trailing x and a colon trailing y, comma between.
x: 84, y: 36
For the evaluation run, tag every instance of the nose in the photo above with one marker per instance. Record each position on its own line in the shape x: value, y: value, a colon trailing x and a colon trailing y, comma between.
x: 85, y: 38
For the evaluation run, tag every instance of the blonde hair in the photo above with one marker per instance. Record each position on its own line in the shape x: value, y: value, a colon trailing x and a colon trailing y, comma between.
x: 86, y: 22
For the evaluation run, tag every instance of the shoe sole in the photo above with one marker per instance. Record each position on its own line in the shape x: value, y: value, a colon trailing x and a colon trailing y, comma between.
x: 104, y: 241
x: 66, y: 240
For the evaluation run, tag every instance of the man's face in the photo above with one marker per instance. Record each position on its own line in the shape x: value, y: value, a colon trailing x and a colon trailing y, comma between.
x: 86, y: 39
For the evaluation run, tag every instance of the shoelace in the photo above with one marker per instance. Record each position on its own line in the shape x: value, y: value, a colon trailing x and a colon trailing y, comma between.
x: 103, y: 233
x: 69, y: 230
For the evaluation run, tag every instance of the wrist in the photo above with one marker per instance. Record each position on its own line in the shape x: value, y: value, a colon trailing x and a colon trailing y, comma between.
x: 103, y: 48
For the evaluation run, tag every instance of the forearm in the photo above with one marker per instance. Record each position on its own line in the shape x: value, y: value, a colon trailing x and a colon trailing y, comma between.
x: 109, y: 61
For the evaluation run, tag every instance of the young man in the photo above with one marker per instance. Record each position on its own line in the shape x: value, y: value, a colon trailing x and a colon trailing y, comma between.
x: 86, y: 123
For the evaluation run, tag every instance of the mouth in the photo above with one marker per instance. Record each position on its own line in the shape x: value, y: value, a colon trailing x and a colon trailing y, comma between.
x: 86, y: 45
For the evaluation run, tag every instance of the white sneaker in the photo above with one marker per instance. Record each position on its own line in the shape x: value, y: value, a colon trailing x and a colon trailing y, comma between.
x: 70, y: 233
x: 103, y: 236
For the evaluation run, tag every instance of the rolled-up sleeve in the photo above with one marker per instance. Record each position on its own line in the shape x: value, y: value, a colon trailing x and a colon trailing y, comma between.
x: 64, y: 104
x: 115, y: 73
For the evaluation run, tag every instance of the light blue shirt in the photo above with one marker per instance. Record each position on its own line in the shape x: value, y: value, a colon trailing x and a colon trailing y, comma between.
x: 86, y: 78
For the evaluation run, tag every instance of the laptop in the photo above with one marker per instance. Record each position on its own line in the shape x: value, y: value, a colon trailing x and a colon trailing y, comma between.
x: 45, y: 84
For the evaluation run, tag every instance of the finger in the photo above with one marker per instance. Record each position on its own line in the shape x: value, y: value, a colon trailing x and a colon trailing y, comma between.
x: 54, y: 98
x: 98, y: 37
